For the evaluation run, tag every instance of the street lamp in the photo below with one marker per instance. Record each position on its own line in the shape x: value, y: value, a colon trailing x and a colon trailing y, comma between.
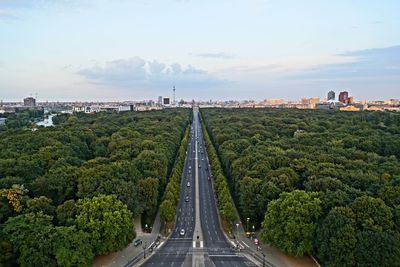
x: 263, y: 259
x: 144, y: 250
x: 247, y: 228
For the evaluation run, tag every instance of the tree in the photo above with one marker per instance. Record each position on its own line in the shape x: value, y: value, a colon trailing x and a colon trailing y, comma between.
x: 391, y: 195
x: 66, y: 213
x: 372, y: 214
x: 336, y: 238
x: 108, y: 220
x: 41, y: 204
x: 148, y: 192
x: 32, y: 237
x: 73, y: 247
x: 58, y: 183
x: 167, y: 211
x: 250, y: 198
x: 290, y: 222
x: 14, y: 196
x: 377, y: 249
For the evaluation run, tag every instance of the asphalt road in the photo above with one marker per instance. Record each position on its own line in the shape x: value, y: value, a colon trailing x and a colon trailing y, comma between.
x: 215, y: 249
x: 219, y: 250
x: 177, y: 249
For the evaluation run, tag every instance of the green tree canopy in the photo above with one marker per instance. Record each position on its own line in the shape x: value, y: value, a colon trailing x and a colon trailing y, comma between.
x: 108, y: 220
x: 290, y: 222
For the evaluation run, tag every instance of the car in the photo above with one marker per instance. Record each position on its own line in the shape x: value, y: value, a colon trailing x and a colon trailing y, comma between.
x: 209, y: 178
x: 188, y: 184
x: 137, y: 242
x: 182, y: 232
x: 256, y: 242
x: 202, y: 159
x: 187, y: 199
x: 199, y: 166
x: 190, y: 167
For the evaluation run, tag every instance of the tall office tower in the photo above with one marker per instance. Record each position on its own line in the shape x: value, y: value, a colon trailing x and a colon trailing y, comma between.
x: 29, y: 102
x: 344, y: 97
x: 331, y: 95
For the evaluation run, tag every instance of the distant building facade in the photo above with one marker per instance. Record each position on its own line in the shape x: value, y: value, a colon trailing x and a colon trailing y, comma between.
x: 310, y: 102
x: 344, y: 97
x: 29, y: 102
x: 331, y: 96
x: 166, y: 101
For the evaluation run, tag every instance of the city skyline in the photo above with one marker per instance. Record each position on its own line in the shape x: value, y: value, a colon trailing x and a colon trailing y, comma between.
x: 124, y: 50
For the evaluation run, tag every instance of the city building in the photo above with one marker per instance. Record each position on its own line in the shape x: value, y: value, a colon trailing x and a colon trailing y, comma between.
x: 344, y: 97
x: 310, y: 102
x: 349, y: 108
x: 159, y: 102
x: 331, y: 96
x: 274, y: 101
x: 29, y: 102
x: 166, y: 101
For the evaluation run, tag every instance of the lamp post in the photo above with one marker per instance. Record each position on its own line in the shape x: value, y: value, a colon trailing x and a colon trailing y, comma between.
x: 263, y: 259
x: 247, y: 228
x: 144, y: 250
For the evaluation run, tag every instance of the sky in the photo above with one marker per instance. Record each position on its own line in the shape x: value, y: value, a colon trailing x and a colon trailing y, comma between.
x: 116, y: 50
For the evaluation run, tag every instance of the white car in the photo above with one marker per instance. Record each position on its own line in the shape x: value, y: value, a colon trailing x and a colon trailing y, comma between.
x: 182, y: 232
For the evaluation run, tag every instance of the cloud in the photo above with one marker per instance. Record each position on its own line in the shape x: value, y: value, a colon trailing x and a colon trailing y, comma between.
x: 136, y: 72
x: 378, y: 63
x: 6, y: 14
x: 220, y: 55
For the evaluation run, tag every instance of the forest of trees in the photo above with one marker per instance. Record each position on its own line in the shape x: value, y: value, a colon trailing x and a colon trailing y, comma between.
x: 70, y: 192
x: 21, y: 118
x: 320, y: 182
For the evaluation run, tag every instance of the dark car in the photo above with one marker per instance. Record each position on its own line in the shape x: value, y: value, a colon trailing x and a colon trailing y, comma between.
x: 137, y: 242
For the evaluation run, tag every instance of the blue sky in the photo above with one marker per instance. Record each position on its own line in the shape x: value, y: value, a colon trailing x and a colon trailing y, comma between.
x: 210, y: 49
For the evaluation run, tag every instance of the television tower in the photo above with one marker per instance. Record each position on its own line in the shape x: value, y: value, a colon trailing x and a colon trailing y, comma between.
x: 173, y: 89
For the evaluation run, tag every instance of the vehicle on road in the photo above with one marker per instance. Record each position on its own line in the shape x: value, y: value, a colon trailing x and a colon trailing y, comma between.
x: 209, y: 178
x: 137, y: 242
x: 188, y: 184
x: 256, y: 242
x: 199, y: 166
x: 182, y: 232
x: 187, y: 198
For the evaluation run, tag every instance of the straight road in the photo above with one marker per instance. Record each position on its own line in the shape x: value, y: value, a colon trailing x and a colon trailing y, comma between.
x: 219, y: 250
x: 177, y: 249
x: 211, y: 248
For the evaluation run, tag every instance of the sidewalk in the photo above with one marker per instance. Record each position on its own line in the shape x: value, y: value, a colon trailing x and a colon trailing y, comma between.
x: 273, y: 257
x: 125, y: 256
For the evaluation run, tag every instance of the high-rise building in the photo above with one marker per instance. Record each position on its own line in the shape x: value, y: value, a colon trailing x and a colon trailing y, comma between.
x: 166, y: 101
x: 344, y: 97
x: 331, y: 96
x: 29, y: 102
x: 159, y: 100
